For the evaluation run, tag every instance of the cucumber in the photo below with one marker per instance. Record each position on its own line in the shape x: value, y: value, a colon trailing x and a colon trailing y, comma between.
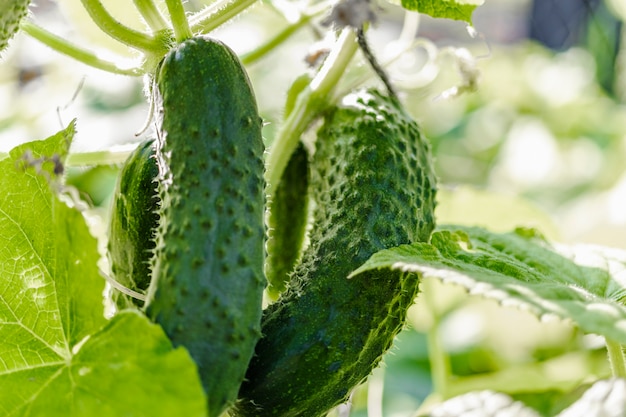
x: 11, y: 14
x: 133, y: 223
x: 208, y: 280
x: 373, y: 182
x: 288, y: 209
x: 287, y: 221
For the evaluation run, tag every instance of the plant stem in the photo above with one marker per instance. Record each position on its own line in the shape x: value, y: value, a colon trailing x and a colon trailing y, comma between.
x: 440, y: 369
x: 378, y: 69
x: 216, y: 14
x: 120, y: 32
x: 311, y: 101
x: 151, y: 15
x: 80, y: 54
x: 258, y: 53
x: 96, y: 158
x: 179, y: 20
x: 616, y: 358
x: 439, y: 361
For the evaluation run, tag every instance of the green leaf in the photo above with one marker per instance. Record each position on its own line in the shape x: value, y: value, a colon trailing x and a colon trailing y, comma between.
x: 584, y: 284
x: 50, y: 289
x: 58, y: 354
x: 127, y: 369
x: 449, y: 9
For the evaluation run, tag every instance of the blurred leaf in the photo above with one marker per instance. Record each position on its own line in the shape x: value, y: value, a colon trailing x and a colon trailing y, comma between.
x: 521, y: 269
x: 605, y: 398
x: 484, y: 404
x: 449, y: 9
x: 94, y: 183
x: 498, y: 211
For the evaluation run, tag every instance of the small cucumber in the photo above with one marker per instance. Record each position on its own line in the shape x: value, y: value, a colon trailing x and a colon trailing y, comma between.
x: 287, y: 221
x: 208, y: 280
x: 288, y: 209
x: 373, y: 182
x: 133, y: 223
x: 11, y: 14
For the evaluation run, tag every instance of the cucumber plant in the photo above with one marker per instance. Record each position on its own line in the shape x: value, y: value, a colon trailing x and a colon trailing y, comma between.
x: 374, y: 186
x: 187, y: 226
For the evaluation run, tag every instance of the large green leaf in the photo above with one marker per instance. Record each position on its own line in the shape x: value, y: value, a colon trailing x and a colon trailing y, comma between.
x: 50, y: 289
x: 58, y: 354
x: 450, y: 9
x: 127, y: 369
x: 584, y: 284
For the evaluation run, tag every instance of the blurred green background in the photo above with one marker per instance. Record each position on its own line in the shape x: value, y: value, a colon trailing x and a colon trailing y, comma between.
x: 536, y: 137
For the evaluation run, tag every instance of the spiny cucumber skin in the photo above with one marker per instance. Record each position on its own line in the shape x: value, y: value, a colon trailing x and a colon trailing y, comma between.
x: 374, y: 185
x: 11, y: 14
x: 133, y: 223
x: 287, y: 221
x: 208, y: 267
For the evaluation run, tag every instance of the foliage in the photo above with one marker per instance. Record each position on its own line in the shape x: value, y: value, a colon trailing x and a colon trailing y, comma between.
x: 59, y: 354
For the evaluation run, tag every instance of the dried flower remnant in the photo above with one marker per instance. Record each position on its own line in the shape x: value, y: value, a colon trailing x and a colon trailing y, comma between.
x: 350, y: 13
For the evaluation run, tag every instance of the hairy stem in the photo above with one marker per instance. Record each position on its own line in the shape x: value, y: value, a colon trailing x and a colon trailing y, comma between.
x: 616, y: 358
x: 151, y: 15
x: 120, y: 32
x: 216, y: 14
x: 179, y: 20
x: 311, y: 101
x: 80, y: 54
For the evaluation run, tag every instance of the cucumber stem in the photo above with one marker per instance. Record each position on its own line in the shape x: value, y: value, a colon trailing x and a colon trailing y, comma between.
x: 216, y: 14
x: 616, y: 358
x: 80, y: 54
x: 311, y: 101
x: 118, y: 31
x: 378, y: 69
x: 179, y: 20
x: 151, y: 14
x: 256, y: 54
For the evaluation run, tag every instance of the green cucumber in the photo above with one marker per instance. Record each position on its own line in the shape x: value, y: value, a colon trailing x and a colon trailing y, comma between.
x: 288, y: 209
x: 287, y: 221
x: 373, y: 182
x: 208, y: 280
x: 133, y: 223
x: 11, y: 14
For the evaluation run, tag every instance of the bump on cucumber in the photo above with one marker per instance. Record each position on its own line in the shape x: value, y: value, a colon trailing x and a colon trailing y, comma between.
x: 11, y: 14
